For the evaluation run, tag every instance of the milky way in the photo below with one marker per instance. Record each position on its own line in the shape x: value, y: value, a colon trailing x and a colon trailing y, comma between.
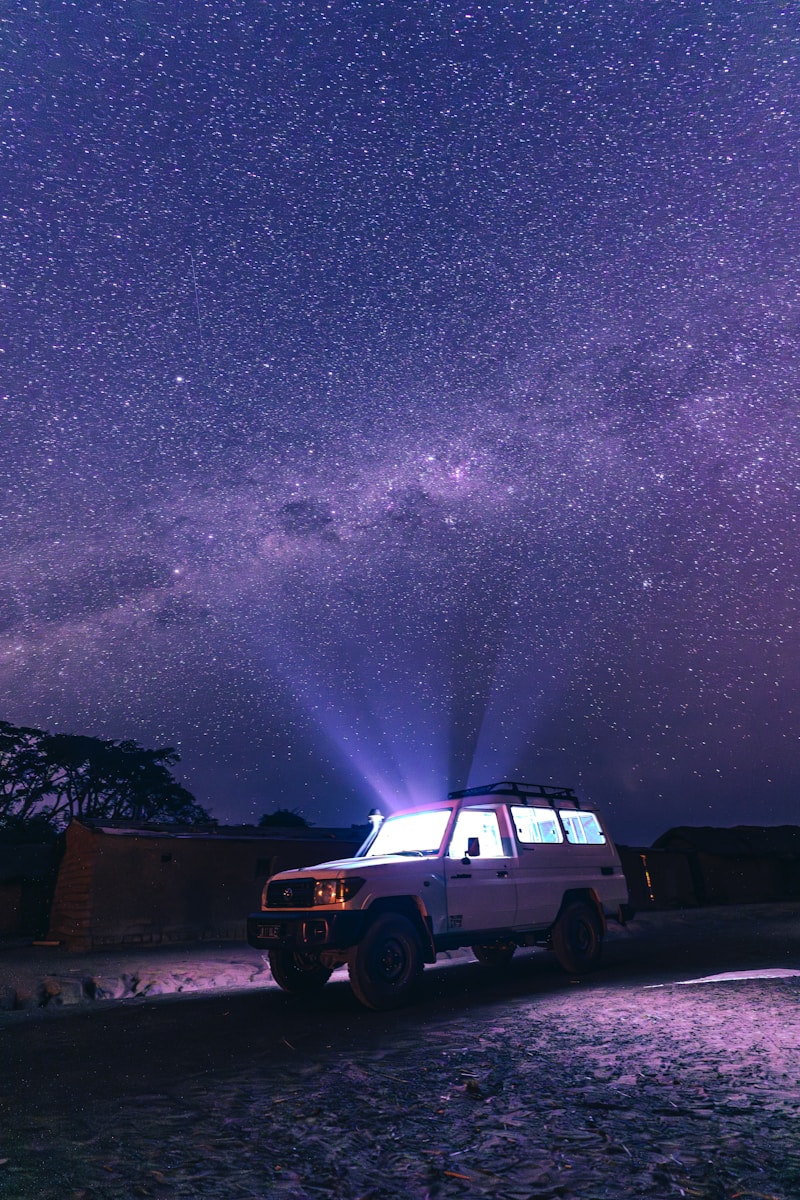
x: 400, y: 396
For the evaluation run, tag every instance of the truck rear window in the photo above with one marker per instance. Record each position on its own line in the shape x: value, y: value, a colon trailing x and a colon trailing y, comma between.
x: 582, y: 828
x: 536, y: 825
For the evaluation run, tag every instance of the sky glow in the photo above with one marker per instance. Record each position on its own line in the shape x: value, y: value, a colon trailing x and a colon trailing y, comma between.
x: 399, y: 397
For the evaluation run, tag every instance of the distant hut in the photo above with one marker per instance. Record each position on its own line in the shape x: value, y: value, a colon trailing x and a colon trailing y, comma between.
x: 745, y: 864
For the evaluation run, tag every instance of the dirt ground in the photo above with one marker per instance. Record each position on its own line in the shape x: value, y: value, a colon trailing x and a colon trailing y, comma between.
x: 595, y: 1093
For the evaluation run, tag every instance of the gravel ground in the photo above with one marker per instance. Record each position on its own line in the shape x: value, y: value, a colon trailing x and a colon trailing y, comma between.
x: 597, y: 1093
x: 592, y: 1091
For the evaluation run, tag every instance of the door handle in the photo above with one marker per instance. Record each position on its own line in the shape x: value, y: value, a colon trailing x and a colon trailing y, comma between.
x: 502, y: 874
x: 464, y: 875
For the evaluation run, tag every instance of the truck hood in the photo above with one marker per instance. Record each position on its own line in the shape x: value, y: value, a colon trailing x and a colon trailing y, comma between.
x: 355, y: 866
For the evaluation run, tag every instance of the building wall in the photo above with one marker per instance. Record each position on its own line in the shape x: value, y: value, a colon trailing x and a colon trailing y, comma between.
x: 663, y: 879
x: 117, y: 888
x: 742, y: 880
x: 658, y: 879
x: 71, y: 911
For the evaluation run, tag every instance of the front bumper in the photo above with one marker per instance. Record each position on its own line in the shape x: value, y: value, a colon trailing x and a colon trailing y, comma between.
x: 310, y: 929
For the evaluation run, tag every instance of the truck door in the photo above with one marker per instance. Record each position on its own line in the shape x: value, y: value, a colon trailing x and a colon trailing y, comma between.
x: 481, y: 892
x: 544, y: 871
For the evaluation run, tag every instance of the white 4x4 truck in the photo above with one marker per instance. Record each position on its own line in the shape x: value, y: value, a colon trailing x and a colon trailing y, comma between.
x: 493, y: 868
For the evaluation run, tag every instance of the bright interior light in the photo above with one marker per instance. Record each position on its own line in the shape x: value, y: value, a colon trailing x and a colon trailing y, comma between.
x: 412, y: 833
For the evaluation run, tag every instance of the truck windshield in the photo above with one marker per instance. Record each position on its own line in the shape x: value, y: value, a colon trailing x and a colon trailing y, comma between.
x: 411, y: 833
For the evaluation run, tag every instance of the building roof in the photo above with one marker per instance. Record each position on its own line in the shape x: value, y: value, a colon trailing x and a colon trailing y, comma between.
x: 738, y: 841
x: 215, y: 833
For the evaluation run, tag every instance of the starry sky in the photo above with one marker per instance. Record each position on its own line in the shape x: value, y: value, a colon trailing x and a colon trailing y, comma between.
x: 400, y: 396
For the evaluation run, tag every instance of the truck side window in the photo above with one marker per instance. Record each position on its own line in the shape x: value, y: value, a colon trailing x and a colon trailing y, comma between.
x: 536, y: 826
x: 480, y: 824
x: 583, y: 828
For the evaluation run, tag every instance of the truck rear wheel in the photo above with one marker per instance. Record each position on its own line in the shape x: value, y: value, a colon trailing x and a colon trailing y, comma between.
x: 384, y: 966
x: 577, y: 938
x: 297, y: 972
x: 498, y: 954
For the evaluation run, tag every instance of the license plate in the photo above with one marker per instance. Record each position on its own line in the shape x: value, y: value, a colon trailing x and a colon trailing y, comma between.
x: 269, y: 932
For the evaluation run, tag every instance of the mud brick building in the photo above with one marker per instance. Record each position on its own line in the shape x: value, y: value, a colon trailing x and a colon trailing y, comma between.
x: 123, y: 883
x: 743, y: 864
x: 694, y: 866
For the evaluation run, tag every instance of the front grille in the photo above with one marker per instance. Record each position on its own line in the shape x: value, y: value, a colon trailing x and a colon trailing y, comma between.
x: 297, y: 894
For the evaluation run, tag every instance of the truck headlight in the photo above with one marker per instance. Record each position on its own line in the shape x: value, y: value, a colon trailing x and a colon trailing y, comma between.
x: 336, y: 891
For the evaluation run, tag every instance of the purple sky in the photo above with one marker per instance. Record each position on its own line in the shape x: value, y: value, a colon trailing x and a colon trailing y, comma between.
x: 400, y: 396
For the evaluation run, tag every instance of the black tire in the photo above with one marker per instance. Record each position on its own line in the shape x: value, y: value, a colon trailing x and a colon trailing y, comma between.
x: 386, y: 963
x: 577, y: 938
x: 498, y: 954
x: 298, y: 973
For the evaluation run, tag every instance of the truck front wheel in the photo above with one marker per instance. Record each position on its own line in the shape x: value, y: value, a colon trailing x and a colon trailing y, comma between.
x: 577, y: 938
x: 297, y: 972
x: 384, y: 966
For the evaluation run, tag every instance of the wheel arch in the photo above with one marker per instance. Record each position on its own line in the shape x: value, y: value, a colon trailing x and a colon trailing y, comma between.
x: 412, y: 908
x: 585, y: 896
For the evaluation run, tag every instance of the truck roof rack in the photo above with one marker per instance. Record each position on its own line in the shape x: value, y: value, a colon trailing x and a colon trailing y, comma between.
x: 523, y: 791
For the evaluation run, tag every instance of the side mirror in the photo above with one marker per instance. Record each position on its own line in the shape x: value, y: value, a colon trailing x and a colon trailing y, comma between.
x: 474, y: 848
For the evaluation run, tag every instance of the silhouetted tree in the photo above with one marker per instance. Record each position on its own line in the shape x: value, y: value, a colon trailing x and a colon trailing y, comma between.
x: 16, y: 831
x: 23, y: 772
x: 63, y: 775
x: 288, y: 818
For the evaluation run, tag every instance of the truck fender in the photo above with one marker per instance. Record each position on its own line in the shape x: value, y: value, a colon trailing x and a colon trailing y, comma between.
x: 587, y: 896
x: 413, y: 908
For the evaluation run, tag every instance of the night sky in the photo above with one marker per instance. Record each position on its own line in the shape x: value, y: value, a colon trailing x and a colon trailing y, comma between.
x: 401, y: 396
